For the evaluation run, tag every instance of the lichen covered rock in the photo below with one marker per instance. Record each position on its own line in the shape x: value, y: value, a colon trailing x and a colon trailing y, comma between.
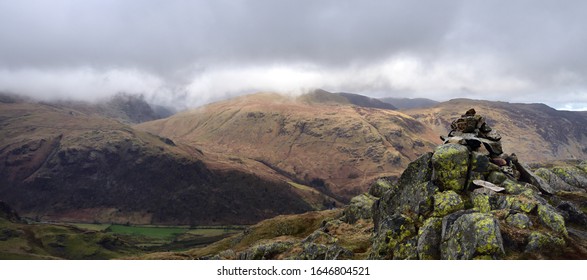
x: 359, y: 208
x: 434, y: 212
x: 573, y: 176
x: 322, y: 246
x: 472, y: 235
x: 543, y: 242
x: 520, y: 203
x: 265, y: 251
x: 496, y: 177
x: 554, y: 181
x: 550, y: 218
x: 380, y: 187
x: 451, y: 164
x: 392, y: 232
x: 519, y: 220
x: 429, y: 237
x: 481, y: 200
x: 447, y: 202
x: 513, y: 187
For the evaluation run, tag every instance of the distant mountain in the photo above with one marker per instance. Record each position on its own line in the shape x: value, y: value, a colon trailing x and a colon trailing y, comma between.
x: 409, y: 103
x: 320, y: 139
x: 57, y: 163
x: 536, y: 132
x: 322, y: 96
x: 240, y: 160
x: 127, y: 108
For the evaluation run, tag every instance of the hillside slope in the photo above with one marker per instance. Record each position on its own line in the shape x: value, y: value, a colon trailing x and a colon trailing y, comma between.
x: 319, y: 140
x: 60, y: 164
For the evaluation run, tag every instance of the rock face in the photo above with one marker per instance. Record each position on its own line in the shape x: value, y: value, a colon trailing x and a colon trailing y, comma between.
x: 435, y: 212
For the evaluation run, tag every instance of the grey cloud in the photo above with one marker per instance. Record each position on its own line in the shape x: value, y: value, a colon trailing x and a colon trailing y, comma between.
x: 438, y: 49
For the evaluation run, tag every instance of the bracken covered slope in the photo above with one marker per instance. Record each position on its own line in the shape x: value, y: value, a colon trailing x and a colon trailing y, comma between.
x: 319, y: 140
x: 60, y: 164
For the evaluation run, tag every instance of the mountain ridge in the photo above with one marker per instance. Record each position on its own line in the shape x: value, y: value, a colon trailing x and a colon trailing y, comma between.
x: 328, y: 144
x: 61, y: 164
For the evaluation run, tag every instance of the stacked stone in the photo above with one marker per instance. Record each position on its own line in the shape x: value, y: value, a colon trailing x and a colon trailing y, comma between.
x: 437, y: 212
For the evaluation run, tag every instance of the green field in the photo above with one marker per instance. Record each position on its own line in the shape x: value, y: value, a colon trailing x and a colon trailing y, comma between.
x: 165, y: 233
x: 94, y: 227
x: 150, y: 237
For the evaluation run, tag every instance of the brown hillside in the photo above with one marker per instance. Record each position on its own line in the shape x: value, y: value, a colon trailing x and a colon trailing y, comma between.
x: 535, y: 132
x: 317, y: 140
x: 60, y: 164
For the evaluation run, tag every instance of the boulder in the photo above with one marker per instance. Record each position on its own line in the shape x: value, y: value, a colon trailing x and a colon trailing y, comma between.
x: 550, y: 218
x: 480, y: 166
x: 406, y: 250
x: 450, y: 163
x: 413, y: 194
x: 379, y: 188
x: 265, y: 251
x: 496, y: 177
x: 573, y: 176
x: 528, y: 176
x: 447, y: 202
x: 519, y: 220
x: 474, y: 235
x: 520, y: 203
x: 429, y: 239
x: 481, y: 201
x: 392, y: 232
x: 539, y: 242
x: 322, y: 246
x: 556, y: 183
x: 360, y: 207
x: 513, y: 187
x: 572, y: 213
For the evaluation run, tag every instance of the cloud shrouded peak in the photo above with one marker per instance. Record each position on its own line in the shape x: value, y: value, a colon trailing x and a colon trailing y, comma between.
x: 523, y: 51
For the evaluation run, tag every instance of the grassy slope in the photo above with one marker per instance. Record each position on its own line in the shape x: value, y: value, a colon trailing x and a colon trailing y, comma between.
x: 327, y: 145
x: 43, y: 241
x: 60, y: 164
x: 287, y: 228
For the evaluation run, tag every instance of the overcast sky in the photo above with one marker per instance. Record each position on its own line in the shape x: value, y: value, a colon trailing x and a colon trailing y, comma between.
x: 195, y: 52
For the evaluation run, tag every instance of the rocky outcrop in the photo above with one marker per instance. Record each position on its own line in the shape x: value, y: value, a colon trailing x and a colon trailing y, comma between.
x: 436, y: 211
